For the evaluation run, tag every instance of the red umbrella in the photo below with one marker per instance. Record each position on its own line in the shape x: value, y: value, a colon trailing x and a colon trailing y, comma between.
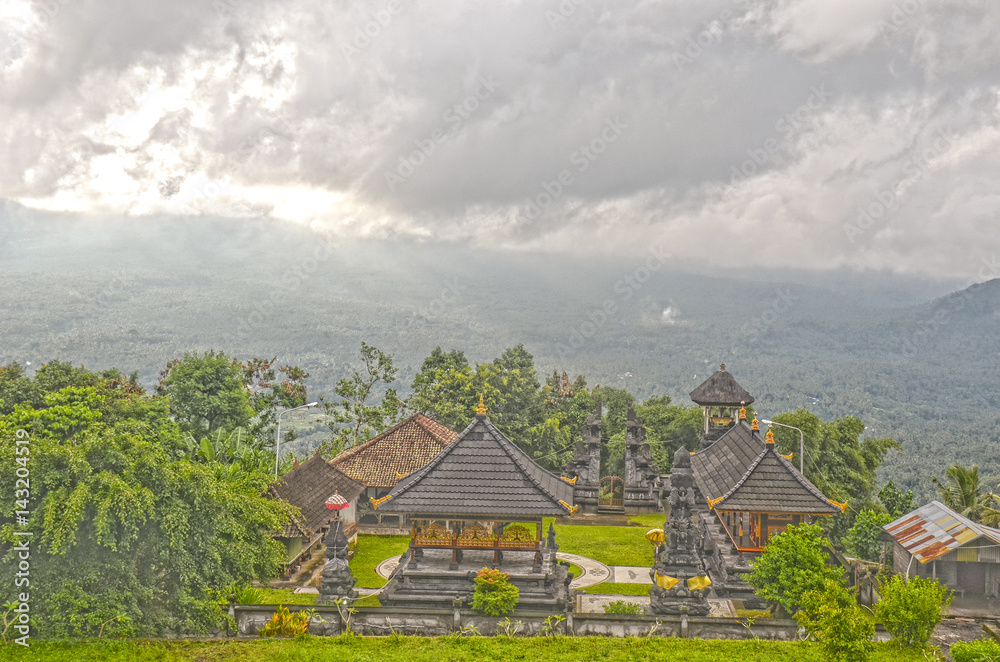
x: 337, y: 502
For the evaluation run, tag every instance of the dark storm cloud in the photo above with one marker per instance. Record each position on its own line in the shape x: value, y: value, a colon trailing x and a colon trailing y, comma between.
x: 809, y: 133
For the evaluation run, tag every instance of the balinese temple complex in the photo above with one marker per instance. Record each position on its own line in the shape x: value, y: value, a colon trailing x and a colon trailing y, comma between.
x: 479, y: 502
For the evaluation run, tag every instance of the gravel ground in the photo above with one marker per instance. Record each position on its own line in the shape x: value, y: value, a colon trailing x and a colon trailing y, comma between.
x: 956, y: 629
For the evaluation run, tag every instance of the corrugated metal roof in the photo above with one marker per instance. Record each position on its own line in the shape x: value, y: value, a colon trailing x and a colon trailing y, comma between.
x: 935, y: 529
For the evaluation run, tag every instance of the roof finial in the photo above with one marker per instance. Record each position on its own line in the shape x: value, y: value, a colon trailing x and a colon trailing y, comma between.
x: 769, y: 437
x: 743, y: 410
x: 481, y: 409
x: 722, y: 366
x: 755, y: 426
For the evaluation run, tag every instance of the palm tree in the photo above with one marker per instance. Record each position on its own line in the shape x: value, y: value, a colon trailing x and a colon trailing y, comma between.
x: 962, y: 493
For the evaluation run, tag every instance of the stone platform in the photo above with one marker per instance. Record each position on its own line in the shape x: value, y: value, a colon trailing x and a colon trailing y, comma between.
x: 431, y: 581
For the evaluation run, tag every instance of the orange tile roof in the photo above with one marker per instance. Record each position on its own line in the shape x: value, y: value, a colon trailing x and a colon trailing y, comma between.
x: 398, y: 451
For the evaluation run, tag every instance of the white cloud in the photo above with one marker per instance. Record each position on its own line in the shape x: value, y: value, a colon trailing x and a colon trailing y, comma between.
x: 282, y: 110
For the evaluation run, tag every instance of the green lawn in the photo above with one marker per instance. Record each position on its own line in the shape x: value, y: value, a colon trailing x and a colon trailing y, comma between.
x: 611, y: 588
x: 287, y: 596
x: 651, y: 521
x: 372, y: 550
x: 611, y: 545
x: 417, y: 649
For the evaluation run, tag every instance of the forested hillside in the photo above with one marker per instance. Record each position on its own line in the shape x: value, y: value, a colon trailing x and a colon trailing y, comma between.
x: 914, y: 362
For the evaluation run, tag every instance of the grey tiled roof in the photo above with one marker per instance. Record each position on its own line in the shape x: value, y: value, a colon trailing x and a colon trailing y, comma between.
x: 752, y: 476
x: 721, y: 389
x: 481, y: 473
x: 722, y: 465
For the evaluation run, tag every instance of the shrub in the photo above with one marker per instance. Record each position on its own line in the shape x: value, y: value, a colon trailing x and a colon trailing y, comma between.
x: 832, y: 616
x: 285, y: 624
x: 862, y: 540
x: 984, y: 650
x: 910, y: 610
x: 623, y: 607
x: 793, y: 563
x: 495, y: 595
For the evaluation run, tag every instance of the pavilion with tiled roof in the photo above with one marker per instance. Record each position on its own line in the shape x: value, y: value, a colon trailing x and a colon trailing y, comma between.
x: 381, y: 461
x: 307, y: 487
x: 479, y: 502
x: 754, y: 490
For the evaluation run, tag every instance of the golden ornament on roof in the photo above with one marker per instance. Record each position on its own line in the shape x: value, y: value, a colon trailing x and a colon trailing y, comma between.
x: 481, y: 409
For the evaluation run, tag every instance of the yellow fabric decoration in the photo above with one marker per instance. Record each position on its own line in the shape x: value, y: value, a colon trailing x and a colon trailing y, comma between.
x: 698, y: 583
x: 655, y: 536
x: 663, y: 581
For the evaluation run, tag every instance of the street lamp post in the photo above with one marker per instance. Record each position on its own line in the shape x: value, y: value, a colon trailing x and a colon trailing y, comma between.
x: 802, y: 445
x: 277, y: 434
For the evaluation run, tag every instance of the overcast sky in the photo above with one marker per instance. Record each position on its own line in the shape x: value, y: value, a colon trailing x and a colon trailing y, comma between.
x: 800, y: 133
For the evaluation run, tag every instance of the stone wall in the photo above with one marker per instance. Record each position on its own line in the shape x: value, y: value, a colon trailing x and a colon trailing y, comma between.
x: 436, y: 622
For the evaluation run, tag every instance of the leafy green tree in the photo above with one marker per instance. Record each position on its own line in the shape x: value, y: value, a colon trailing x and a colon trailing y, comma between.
x: 911, y: 608
x: 831, y: 615
x: 615, y: 402
x: 16, y: 388
x: 128, y: 535
x: 206, y: 393
x: 566, y: 405
x: 793, y: 563
x: 214, y: 392
x: 448, y: 389
x: 669, y: 427
x: 862, y: 540
x: 894, y: 501
x: 354, y: 418
x: 837, y: 460
x: 443, y: 389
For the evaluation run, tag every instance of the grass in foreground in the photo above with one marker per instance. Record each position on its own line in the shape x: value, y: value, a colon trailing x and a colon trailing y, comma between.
x: 418, y: 649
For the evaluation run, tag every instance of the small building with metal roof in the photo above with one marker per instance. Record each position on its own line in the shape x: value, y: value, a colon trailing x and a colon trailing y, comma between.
x: 934, y: 541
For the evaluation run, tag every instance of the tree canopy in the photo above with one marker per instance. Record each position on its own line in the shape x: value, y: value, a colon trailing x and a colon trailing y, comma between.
x: 125, y: 524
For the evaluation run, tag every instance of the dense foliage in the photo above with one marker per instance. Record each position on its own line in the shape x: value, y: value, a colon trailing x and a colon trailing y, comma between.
x: 911, y: 609
x: 130, y: 534
x: 832, y: 616
x: 984, y: 650
x: 793, y: 563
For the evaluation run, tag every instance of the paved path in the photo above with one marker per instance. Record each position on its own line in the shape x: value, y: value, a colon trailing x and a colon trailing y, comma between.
x: 594, y: 572
x: 626, y: 574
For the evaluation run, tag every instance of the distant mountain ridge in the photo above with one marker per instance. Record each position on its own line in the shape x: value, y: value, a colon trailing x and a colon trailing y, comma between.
x: 134, y: 294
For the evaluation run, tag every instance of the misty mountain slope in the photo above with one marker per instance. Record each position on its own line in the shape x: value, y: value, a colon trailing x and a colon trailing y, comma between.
x: 135, y: 295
